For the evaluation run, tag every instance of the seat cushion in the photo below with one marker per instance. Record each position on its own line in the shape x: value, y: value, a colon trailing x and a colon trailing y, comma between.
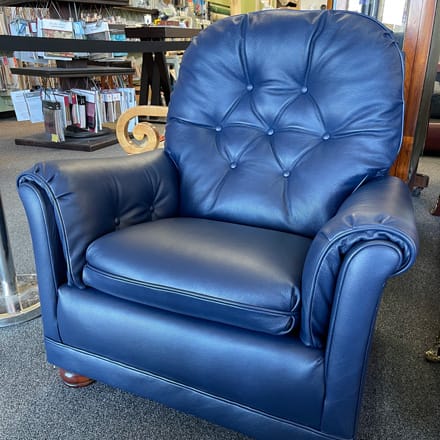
x: 234, y: 274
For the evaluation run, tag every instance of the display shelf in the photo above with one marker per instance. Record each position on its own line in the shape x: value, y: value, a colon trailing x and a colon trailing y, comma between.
x: 67, y: 74
x: 11, y: 43
x: 153, y: 12
x: 72, y: 72
x: 90, y: 2
x: 150, y: 33
x: 92, y: 141
x: 107, y: 138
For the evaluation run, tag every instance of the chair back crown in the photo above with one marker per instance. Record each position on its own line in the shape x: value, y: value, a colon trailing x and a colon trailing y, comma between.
x: 277, y: 116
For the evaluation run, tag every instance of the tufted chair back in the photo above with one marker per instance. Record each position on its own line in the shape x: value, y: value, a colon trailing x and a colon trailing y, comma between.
x: 279, y: 115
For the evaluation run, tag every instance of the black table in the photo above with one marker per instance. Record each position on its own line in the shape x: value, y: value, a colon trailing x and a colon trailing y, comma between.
x: 154, y: 74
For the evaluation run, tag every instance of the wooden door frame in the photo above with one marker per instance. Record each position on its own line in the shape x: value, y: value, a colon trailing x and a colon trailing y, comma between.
x: 416, y: 46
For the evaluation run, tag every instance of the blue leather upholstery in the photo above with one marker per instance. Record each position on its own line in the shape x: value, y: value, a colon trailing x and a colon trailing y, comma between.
x: 203, y: 268
x: 287, y: 100
x: 237, y: 273
x: 373, y: 212
x: 150, y: 193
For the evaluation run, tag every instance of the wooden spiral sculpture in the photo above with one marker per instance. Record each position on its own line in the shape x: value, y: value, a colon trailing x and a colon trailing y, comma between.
x: 145, y: 136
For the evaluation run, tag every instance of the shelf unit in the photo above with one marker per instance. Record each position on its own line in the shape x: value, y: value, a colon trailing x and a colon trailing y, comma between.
x: 14, y: 43
x: 63, y: 9
x: 11, y: 43
x: 72, y: 74
x: 90, y: 2
x: 93, y: 141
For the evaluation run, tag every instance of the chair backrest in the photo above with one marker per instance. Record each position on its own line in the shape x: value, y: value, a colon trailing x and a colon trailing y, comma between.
x: 278, y: 115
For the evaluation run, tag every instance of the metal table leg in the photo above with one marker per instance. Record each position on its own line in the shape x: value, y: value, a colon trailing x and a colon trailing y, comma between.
x: 19, y: 300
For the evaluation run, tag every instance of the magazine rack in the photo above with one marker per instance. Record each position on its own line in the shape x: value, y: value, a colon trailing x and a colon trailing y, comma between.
x: 14, y: 43
x: 77, y: 75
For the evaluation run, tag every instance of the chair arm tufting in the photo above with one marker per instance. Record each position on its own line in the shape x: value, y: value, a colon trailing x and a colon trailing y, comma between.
x: 382, y: 211
x: 92, y: 197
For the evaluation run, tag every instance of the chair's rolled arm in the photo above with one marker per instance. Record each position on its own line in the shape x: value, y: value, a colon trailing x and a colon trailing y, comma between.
x: 380, y: 210
x: 93, y: 197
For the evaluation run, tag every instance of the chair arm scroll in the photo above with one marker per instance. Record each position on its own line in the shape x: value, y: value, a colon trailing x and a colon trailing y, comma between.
x: 379, y: 211
x: 93, y: 197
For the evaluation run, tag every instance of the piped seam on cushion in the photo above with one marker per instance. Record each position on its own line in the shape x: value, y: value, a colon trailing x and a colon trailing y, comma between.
x: 199, y: 296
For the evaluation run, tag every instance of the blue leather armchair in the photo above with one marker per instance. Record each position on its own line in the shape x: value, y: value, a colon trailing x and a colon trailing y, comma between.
x: 236, y: 273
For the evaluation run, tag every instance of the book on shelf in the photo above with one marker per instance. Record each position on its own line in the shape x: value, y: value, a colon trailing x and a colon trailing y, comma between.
x: 115, y: 102
x: 108, y: 111
x: 27, y: 105
x: 88, y: 109
x: 98, y: 30
x: 75, y: 108
x: 8, y: 81
x: 19, y: 103
x: 53, y: 123
x: 79, y: 34
x: 21, y: 27
x: 63, y: 98
x: 118, y: 34
x: 55, y: 28
x: 82, y: 111
x: 4, y: 19
x: 33, y: 102
x: 128, y: 100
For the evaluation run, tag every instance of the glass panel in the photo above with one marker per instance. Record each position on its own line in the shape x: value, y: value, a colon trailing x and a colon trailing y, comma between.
x: 392, y: 13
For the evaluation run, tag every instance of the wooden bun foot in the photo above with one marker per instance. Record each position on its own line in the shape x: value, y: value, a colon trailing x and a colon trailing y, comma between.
x: 74, y: 380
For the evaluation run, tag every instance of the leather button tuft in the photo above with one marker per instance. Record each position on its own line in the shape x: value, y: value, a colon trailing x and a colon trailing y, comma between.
x: 117, y: 221
x: 286, y: 173
x: 151, y: 208
x: 270, y: 132
x: 304, y: 89
x: 326, y: 137
x: 233, y: 165
x: 249, y: 87
x: 218, y: 128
